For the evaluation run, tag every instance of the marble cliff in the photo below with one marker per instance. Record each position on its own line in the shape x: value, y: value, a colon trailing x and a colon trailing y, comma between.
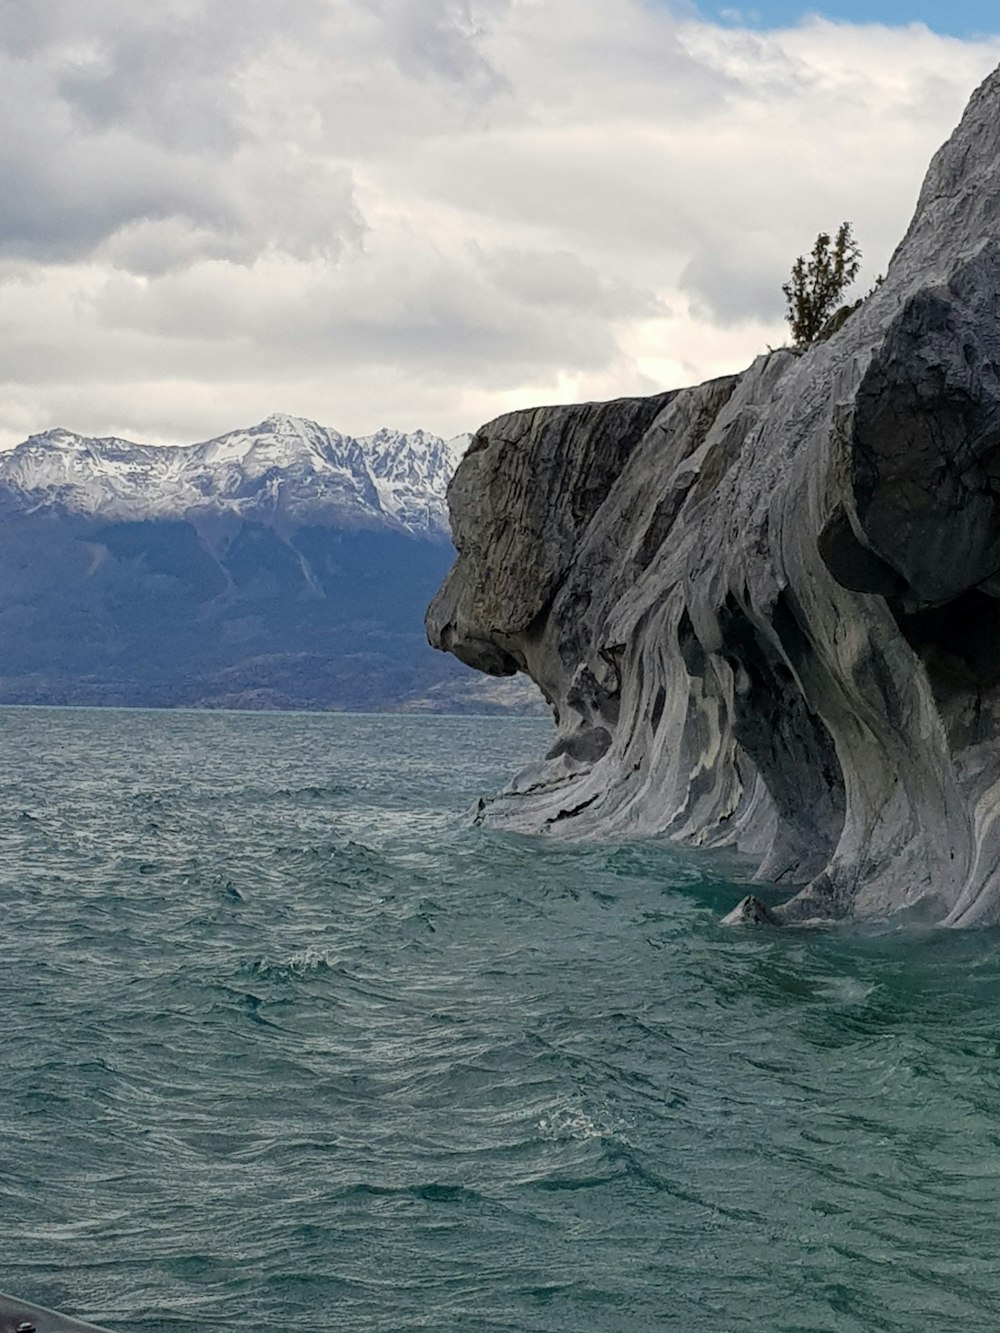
x: 766, y: 610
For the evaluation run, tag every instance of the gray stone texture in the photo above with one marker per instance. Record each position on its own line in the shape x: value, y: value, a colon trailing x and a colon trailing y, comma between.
x: 766, y: 610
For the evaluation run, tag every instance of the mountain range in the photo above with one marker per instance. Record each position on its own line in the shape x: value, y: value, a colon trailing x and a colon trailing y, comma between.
x: 280, y: 566
x: 284, y: 470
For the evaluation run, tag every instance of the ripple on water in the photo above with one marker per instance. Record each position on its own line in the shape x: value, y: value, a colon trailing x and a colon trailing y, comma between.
x: 288, y: 1043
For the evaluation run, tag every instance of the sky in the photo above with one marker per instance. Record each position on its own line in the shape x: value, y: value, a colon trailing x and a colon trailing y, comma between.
x: 961, y: 18
x: 423, y: 213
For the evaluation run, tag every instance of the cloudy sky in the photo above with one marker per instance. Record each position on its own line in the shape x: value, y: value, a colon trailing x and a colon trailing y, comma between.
x: 425, y: 212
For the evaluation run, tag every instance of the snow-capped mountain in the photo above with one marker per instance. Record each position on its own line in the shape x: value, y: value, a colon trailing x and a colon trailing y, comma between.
x: 286, y: 467
x: 282, y: 566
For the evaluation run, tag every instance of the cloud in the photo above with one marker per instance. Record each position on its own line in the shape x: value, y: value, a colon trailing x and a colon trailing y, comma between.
x: 441, y: 39
x: 735, y: 278
x: 420, y: 212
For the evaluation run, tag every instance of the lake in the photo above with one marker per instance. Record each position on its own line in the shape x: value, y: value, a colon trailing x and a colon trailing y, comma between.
x: 288, y: 1043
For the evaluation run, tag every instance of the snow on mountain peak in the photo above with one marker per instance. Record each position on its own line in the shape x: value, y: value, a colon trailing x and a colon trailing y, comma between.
x: 284, y: 466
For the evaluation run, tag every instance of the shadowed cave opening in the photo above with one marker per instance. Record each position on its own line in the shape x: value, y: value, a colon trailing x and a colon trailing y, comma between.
x: 789, y: 743
x: 959, y: 642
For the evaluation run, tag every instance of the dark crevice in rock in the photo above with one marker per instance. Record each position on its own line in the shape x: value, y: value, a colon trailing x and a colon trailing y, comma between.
x: 690, y: 647
x: 572, y: 812
x: 789, y: 745
x: 583, y: 746
x: 959, y: 643
x: 656, y: 715
x: 852, y: 564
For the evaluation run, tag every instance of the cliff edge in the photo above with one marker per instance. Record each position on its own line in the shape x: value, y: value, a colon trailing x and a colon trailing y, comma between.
x: 766, y: 610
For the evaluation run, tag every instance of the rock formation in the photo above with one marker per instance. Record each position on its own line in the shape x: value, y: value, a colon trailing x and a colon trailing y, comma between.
x: 766, y: 610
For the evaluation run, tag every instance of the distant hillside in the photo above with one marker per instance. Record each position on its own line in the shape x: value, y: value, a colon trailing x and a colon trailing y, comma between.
x: 283, y: 566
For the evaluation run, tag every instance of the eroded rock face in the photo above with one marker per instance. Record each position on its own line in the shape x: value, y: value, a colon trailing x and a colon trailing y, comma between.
x: 766, y: 610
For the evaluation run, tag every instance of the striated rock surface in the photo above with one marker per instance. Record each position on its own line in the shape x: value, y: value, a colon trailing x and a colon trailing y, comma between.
x: 766, y: 610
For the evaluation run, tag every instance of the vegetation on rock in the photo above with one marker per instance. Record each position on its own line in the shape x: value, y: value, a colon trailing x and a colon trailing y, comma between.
x: 818, y: 283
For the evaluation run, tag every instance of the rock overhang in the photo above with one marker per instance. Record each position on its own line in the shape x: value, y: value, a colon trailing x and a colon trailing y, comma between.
x: 775, y: 594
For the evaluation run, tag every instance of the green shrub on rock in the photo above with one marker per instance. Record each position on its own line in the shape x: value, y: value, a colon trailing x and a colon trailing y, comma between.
x: 818, y: 283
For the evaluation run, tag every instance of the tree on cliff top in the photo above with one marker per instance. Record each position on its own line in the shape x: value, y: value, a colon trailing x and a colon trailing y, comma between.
x: 818, y: 283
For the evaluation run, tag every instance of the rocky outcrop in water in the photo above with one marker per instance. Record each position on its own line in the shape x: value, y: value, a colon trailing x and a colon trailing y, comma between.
x: 766, y: 610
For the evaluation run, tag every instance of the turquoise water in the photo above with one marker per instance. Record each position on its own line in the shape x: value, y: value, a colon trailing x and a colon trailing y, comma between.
x: 287, y: 1044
